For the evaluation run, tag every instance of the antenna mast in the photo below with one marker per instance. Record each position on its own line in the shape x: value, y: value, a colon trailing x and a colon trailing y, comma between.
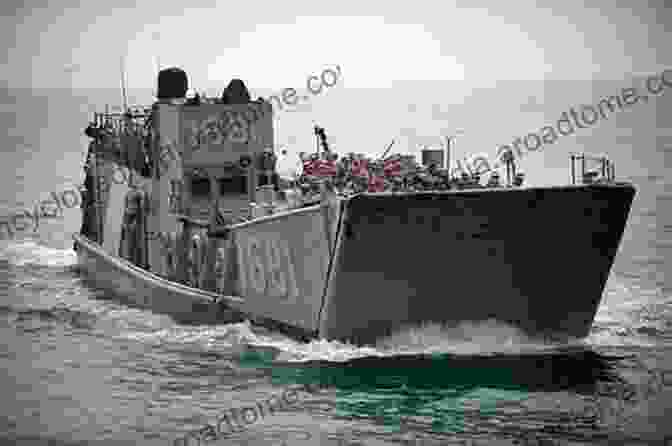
x: 387, y: 150
x: 123, y: 85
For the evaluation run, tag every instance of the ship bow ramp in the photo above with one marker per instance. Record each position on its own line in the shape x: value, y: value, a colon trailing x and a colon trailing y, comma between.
x: 534, y: 258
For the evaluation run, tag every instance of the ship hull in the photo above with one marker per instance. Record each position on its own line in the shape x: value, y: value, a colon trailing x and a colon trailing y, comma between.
x: 142, y: 289
x: 535, y: 258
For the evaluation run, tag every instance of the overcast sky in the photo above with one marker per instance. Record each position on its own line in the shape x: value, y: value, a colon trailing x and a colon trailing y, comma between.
x: 63, y: 43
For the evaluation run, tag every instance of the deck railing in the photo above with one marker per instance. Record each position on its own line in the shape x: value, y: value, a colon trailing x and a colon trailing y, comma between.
x: 592, y: 169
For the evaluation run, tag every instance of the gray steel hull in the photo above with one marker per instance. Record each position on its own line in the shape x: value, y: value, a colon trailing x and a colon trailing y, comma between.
x: 143, y: 289
x: 535, y: 258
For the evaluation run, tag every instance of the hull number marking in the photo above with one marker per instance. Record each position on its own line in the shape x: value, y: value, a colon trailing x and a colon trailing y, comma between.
x: 266, y: 267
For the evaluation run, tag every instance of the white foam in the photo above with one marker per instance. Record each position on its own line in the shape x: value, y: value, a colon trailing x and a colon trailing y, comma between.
x: 25, y: 252
x: 467, y: 338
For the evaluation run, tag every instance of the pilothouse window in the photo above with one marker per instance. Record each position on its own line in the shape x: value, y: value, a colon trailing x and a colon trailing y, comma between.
x: 262, y: 180
x: 200, y: 187
x: 236, y: 185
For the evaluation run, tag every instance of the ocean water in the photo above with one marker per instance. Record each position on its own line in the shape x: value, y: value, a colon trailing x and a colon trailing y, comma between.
x: 77, y: 367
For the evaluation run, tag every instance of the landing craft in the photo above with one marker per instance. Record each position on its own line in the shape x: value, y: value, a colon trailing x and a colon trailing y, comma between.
x: 213, y: 235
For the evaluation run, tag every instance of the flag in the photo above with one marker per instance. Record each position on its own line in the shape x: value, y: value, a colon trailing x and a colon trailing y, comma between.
x: 309, y: 167
x: 327, y: 168
x: 376, y: 184
x: 311, y: 164
x: 319, y: 168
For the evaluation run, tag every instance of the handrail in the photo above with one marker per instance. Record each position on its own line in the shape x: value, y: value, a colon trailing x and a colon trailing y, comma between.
x: 192, y: 221
x: 145, y: 275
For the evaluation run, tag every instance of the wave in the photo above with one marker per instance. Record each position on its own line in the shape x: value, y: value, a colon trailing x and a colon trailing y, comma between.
x: 31, y: 252
x: 486, y: 338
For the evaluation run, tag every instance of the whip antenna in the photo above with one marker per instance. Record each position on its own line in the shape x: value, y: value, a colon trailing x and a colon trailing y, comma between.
x: 387, y: 150
x: 123, y: 85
